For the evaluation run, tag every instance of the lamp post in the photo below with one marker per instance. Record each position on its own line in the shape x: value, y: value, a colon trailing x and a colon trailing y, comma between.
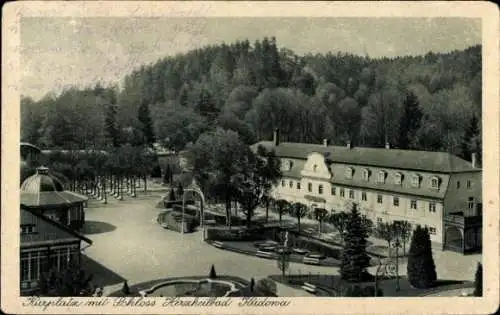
x: 397, y: 246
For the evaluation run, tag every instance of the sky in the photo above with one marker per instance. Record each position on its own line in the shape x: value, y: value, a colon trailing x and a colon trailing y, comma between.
x: 59, y: 52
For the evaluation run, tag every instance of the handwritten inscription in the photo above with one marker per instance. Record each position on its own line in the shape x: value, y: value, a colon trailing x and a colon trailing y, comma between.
x: 65, y: 302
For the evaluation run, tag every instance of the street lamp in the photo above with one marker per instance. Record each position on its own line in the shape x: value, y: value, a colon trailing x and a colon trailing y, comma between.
x: 397, y: 246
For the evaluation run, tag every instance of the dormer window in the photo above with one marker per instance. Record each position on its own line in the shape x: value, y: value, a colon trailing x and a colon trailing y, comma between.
x: 349, y: 172
x: 381, y: 177
x: 435, y: 182
x: 366, y: 174
x: 290, y: 165
x: 398, y: 178
x: 415, y: 181
x: 315, y: 168
x: 28, y: 229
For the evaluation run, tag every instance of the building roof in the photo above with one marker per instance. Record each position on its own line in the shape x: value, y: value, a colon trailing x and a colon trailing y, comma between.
x: 42, y: 190
x: 30, y: 146
x: 441, y: 162
x: 59, y: 233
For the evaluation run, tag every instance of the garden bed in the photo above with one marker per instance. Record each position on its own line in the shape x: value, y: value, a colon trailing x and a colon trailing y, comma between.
x: 249, y: 248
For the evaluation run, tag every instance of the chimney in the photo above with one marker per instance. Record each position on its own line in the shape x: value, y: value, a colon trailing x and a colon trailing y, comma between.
x: 348, y: 144
x: 387, y: 145
x: 473, y: 160
x: 276, y: 137
x: 325, y: 142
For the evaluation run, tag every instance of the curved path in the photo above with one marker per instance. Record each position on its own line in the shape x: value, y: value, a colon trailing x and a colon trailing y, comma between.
x: 138, y: 249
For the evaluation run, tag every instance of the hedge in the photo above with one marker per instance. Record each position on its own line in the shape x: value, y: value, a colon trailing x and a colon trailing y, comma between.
x: 174, y: 222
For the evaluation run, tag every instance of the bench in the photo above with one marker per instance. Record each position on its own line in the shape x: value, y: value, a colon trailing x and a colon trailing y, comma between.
x: 311, y: 261
x: 264, y: 254
x: 311, y: 288
x: 218, y: 244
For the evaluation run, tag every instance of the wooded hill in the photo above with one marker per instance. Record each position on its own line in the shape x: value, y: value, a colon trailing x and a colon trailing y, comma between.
x: 430, y: 102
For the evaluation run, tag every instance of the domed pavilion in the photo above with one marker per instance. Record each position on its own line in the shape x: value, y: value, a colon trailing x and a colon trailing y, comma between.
x: 45, y: 194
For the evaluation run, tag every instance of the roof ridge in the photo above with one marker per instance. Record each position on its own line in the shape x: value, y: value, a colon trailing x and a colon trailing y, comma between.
x: 433, y: 161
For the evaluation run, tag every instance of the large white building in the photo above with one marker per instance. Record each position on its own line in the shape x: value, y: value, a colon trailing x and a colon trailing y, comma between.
x: 433, y: 189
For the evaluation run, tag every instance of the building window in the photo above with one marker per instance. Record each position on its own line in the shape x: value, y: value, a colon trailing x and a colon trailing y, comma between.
x: 471, y: 203
x: 395, y: 201
x: 290, y: 165
x: 366, y: 174
x: 415, y: 181
x: 381, y: 177
x: 60, y: 258
x: 315, y: 167
x: 469, y: 184
x: 28, y: 228
x: 379, y: 220
x: 379, y: 199
x: 282, y: 183
x: 348, y: 172
x: 458, y: 184
x: 30, y: 265
x: 398, y: 178
x: 363, y: 196
x: 290, y: 184
x: 298, y: 185
x: 342, y: 192
x: 25, y: 270
x: 334, y: 191
x: 309, y: 187
x: 320, y: 189
x: 434, y: 183
x: 413, y: 204
x: 432, y: 230
x: 432, y: 207
x: 351, y: 194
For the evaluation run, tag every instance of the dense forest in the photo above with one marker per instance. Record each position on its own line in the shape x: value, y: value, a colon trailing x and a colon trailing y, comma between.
x: 430, y: 102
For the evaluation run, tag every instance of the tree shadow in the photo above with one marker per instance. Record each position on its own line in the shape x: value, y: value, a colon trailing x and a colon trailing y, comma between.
x: 96, y: 227
x: 101, y: 275
x: 446, y: 282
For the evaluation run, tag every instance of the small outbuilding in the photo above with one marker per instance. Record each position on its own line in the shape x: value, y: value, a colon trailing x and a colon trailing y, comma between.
x: 45, y: 194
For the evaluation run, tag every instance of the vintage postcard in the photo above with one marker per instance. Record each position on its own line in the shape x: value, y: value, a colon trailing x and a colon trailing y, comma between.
x: 250, y: 157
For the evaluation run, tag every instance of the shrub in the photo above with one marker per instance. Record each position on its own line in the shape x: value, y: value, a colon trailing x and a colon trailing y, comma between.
x: 125, y: 288
x: 171, y: 195
x: 252, y: 284
x: 478, y: 280
x: 212, y: 274
x: 421, y: 270
x: 266, y: 287
x: 156, y: 171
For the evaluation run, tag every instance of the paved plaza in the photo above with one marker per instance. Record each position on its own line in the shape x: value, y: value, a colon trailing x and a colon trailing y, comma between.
x: 129, y: 244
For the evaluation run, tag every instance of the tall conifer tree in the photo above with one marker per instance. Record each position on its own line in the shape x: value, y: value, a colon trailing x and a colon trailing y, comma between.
x: 355, y: 260
x: 421, y: 269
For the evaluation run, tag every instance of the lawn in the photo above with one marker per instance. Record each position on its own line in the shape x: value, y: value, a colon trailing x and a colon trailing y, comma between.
x: 332, y: 284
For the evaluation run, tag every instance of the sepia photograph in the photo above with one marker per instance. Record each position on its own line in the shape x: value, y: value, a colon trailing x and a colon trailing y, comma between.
x: 243, y: 163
